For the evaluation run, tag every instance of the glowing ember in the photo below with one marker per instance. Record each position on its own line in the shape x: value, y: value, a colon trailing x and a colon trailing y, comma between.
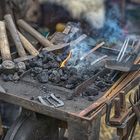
x: 66, y: 60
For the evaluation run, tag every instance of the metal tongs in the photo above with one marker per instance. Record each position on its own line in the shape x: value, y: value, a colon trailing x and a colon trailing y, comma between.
x: 122, y: 63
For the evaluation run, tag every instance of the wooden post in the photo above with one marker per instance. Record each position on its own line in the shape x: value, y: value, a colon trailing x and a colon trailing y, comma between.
x: 28, y: 46
x: 12, y: 28
x: 4, y: 45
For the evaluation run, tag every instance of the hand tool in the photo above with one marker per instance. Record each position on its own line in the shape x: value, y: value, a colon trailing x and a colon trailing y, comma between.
x: 14, y: 34
x: 28, y: 46
x: 18, y: 38
x: 7, y: 64
x: 125, y: 66
x: 44, y: 41
x: 51, y: 99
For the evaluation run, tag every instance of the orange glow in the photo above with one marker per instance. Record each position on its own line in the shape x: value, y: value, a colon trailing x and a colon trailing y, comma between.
x: 66, y: 60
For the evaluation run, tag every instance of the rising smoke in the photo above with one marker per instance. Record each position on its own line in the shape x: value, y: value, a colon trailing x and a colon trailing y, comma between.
x: 93, y: 11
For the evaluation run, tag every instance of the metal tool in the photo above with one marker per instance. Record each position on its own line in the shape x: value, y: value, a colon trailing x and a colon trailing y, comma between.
x: 123, y: 49
x: 51, y: 99
x: 44, y: 41
x: 135, y: 103
x: 99, y: 60
x: 125, y: 66
x: 20, y: 41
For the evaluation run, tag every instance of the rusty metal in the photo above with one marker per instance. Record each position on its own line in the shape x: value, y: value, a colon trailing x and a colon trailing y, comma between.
x: 14, y: 33
x: 135, y: 104
x: 122, y: 51
x: 74, y: 119
x: 125, y: 67
x: 125, y: 121
x: 122, y: 101
x: 117, y: 108
x: 125, y: 79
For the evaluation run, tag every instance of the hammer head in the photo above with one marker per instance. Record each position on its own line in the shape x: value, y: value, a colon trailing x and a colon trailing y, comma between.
x: 8, y: 66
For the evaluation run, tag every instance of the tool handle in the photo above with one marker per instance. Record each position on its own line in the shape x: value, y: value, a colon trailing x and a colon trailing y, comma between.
x: 4, y: 44
x: 27, y: 45
x: 13, y: 31
x: 44, y: 41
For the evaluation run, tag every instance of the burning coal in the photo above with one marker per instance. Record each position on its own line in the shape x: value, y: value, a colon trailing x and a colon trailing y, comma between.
x: 66, y: 60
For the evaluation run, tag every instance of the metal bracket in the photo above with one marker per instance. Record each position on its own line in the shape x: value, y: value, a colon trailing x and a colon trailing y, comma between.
x: 52, y: 99
x: 107, y: 118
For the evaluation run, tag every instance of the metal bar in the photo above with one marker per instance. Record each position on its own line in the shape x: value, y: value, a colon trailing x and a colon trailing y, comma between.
x: 124, y: 50
x: 99, y: 60
x: 92, y: 50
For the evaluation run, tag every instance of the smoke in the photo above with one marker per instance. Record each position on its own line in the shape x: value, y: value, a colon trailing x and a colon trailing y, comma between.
x: 92, y: 11
x: 112, y: 31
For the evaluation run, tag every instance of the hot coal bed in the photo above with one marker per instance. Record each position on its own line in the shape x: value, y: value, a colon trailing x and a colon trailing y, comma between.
x: 52, y: 67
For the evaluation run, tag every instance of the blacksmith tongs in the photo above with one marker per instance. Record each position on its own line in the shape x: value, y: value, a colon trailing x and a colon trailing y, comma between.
x: 128, y: 65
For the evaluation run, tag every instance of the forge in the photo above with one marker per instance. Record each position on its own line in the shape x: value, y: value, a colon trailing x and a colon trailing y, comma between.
x: 68, y: 75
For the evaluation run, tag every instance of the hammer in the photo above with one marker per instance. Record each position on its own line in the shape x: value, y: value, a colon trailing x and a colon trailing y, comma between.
x: 7, y: 66
x: 20, y: 41
x: 44, y: 41
x: 49, y: 46
x: 13, y: 31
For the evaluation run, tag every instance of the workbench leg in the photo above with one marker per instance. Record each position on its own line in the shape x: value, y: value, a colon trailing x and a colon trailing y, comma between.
x: 84, y: 130
x: 1, y: 129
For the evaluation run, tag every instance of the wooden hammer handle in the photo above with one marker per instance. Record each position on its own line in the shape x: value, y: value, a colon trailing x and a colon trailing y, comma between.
x: 27, y: 45
x: 4, y: 44
x: 13, y: 31
x: 44, y: 41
